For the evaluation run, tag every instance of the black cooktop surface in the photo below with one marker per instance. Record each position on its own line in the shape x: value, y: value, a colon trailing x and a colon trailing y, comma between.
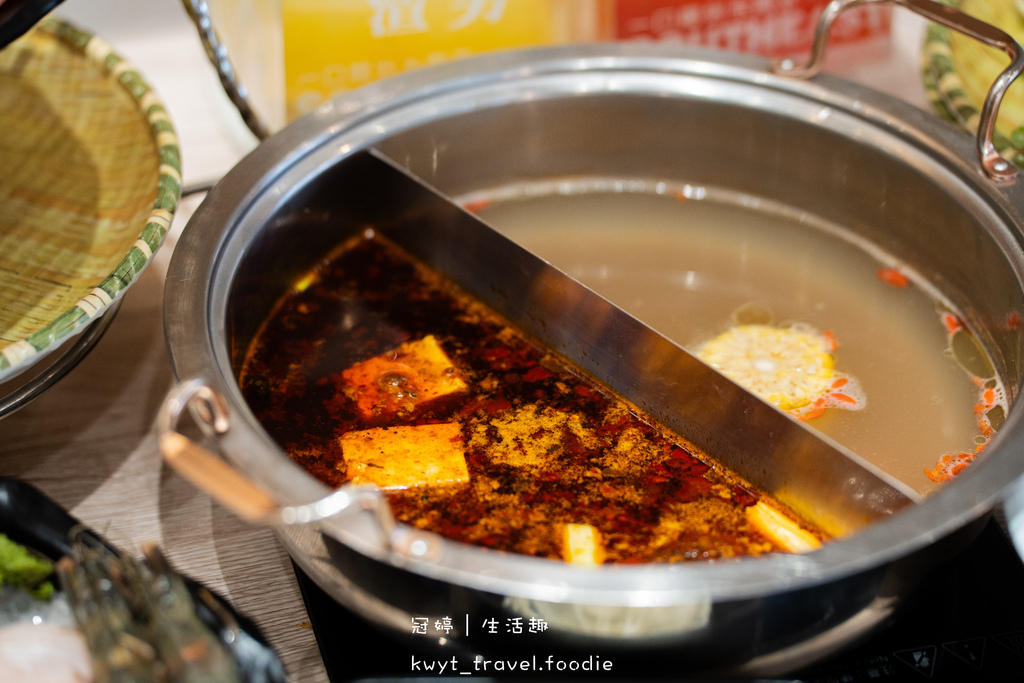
x: 965, y: 623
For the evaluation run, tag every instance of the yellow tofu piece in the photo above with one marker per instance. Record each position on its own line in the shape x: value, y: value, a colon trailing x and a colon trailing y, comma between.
x: 401, y: 380
x: 406, y: 456
x: 581, y: 545
x: 781, y: 529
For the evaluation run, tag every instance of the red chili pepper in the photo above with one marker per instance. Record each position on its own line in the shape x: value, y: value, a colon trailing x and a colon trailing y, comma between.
x: 891, y: 276
x: 495, y: 353
x: 537, y: 374
x: 498, y: 404
x: 478, y: 205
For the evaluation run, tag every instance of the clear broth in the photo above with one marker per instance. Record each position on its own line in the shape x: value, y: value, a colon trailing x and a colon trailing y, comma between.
x: 688, y: 261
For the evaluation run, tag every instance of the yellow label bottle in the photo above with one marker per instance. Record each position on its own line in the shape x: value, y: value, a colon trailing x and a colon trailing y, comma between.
x: 331, y: 46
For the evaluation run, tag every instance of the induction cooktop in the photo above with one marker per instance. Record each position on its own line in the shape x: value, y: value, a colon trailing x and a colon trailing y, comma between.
x: 965, y: 623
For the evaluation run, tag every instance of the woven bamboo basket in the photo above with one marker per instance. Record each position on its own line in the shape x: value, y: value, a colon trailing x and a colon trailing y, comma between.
x: 958, y: 71
x: 91, y: 180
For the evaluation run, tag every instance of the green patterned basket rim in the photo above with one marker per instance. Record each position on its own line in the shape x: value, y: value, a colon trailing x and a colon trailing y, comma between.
x: 945, y: 89
x: 20, y: 355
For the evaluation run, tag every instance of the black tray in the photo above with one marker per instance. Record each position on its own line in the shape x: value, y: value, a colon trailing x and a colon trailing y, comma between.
x: 29, y: 517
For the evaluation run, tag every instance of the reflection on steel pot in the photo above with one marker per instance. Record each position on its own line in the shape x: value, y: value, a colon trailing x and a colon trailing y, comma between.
x: 894, y: 176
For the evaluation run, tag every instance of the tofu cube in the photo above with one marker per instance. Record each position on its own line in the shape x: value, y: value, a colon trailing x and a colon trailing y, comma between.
x: 398, y: 382
x: 781, y: 529
x: 406, y: 456
x: 581, y: 545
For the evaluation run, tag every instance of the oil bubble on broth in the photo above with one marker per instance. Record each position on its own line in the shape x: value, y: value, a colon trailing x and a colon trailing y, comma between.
x: 694, y: 262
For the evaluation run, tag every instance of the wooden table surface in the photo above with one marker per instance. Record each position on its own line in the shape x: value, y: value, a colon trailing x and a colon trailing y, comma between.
x: 89, y: 442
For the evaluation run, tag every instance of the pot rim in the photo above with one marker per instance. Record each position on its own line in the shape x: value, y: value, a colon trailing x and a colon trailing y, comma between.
x: 197, y: 273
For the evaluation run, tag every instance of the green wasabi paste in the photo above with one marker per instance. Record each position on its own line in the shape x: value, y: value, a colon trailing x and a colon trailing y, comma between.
x: 21, y: 569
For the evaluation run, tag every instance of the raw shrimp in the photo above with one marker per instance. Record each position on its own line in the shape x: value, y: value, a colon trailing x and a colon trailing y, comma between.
x: 43, y: 653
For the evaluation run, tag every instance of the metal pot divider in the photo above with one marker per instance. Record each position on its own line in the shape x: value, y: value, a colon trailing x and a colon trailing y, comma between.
x: 832, y: 486
x: 248, y: 500
x: 363, y: 524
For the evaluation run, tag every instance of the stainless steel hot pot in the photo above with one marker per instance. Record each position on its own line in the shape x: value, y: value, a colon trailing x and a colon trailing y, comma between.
x: 892, y: 174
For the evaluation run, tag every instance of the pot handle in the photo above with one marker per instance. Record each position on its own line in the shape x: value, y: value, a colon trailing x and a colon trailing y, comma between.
x: 251, y: 501
x: 994, y: 165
